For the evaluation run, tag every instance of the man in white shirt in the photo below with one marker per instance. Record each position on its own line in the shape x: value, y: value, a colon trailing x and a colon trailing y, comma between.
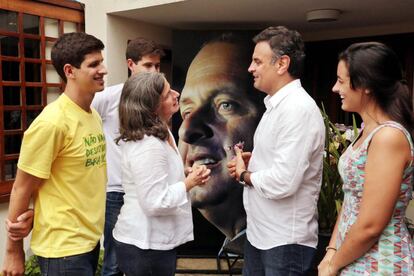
x: 142, y: 55
x: 283, y: 177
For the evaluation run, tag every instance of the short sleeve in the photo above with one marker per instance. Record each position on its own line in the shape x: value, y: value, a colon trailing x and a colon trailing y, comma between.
x: 41, y: 144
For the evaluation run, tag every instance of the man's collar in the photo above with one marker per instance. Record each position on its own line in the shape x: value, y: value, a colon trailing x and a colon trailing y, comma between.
x: 272, y: 101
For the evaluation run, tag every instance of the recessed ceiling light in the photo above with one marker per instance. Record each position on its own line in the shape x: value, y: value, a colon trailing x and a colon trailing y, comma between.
x: 323, y: 15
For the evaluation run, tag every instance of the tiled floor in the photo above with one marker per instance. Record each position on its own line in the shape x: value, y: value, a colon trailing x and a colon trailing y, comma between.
x: 205, y: 266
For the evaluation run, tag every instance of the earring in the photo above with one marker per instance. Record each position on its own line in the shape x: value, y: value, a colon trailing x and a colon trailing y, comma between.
x: 367, y: 92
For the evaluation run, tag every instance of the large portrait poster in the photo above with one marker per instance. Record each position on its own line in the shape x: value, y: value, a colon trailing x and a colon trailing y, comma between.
x: 218, y: 108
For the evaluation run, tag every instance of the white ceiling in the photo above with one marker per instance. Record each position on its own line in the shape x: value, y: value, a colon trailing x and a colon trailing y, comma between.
x: 257, y: 14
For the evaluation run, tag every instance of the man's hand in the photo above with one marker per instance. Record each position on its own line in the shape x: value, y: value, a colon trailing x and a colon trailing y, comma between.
x: 187, y: 171
x: 20, y: 229
x: 239, y: 163
x: 13, y: 264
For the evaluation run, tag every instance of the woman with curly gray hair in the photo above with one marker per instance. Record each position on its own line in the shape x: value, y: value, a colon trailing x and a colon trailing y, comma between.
x: 156, y: 215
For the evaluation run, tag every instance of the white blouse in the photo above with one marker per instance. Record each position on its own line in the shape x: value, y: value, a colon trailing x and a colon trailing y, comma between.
x: 157, y: 211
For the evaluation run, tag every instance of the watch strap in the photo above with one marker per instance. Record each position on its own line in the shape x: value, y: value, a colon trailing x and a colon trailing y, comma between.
x: 241, y: 178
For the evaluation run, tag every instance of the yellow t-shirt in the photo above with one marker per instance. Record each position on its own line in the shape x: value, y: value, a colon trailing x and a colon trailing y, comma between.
x: 65, y: 145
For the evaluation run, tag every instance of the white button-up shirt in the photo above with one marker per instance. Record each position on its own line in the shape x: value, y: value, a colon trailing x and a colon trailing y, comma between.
x: 157, y: 211
x: 286, y: 166
x: 106, y: 103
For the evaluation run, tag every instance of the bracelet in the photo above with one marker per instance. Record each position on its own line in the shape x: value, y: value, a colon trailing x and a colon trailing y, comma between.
x: 330, y: 248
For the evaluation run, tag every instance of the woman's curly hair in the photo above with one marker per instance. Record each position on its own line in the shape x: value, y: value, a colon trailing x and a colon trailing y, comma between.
x: 138, y: 106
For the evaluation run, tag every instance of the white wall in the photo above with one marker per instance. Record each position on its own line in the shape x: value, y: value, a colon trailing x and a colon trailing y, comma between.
x: 115, y: 32
x: 119, y: 31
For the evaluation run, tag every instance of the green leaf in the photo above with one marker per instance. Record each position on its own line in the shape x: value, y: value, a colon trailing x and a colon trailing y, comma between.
x: 331, y: 194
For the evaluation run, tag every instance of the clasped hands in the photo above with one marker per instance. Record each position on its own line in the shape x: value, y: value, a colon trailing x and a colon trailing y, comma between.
x: 19, y: 229
x: 196, y: 175
x: 14, y: 258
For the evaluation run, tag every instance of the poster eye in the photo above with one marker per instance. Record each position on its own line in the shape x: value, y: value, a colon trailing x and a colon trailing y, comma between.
x: 226, y: 106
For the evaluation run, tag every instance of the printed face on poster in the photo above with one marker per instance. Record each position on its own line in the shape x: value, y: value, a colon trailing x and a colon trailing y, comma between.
x: 219, y: 107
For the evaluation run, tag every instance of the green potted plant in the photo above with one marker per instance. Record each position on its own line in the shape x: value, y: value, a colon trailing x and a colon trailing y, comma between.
x: 337, y: 139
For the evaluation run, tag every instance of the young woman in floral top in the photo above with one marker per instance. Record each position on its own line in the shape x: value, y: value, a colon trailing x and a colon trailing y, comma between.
x: 370, y: 237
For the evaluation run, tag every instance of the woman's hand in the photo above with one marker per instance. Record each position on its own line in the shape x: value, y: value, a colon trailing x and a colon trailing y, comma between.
x: 197, y: 175
x: 325, y: 268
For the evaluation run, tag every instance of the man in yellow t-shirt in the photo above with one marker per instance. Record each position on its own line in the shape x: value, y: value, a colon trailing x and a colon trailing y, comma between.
x: 62, y: 166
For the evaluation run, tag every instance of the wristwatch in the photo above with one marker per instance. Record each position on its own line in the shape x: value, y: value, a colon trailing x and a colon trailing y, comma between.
x: 241, y: 179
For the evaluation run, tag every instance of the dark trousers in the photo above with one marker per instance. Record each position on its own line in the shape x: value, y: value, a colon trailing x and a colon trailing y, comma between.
x: 77, y: 265
x: 134, y: 261
x: 114, y: 202
x: 285, y: 260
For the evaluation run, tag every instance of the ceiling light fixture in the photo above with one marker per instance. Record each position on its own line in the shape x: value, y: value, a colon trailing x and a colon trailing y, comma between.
x: 323, y: 15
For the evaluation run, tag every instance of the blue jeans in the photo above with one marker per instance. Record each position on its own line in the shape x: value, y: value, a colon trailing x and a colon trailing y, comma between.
x: 134, y: 261
x: 114, y: 202
x: 77, y: 265
x: 285, y: 260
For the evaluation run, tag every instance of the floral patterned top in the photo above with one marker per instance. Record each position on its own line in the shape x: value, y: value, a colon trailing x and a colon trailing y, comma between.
x: 393, y: 254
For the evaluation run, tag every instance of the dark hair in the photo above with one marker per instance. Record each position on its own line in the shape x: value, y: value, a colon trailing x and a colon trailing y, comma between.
x: 71, y: 48
x: 375, y: 67
x: 140, y: 99
x: 139, y: 47
x: 287, y: 42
